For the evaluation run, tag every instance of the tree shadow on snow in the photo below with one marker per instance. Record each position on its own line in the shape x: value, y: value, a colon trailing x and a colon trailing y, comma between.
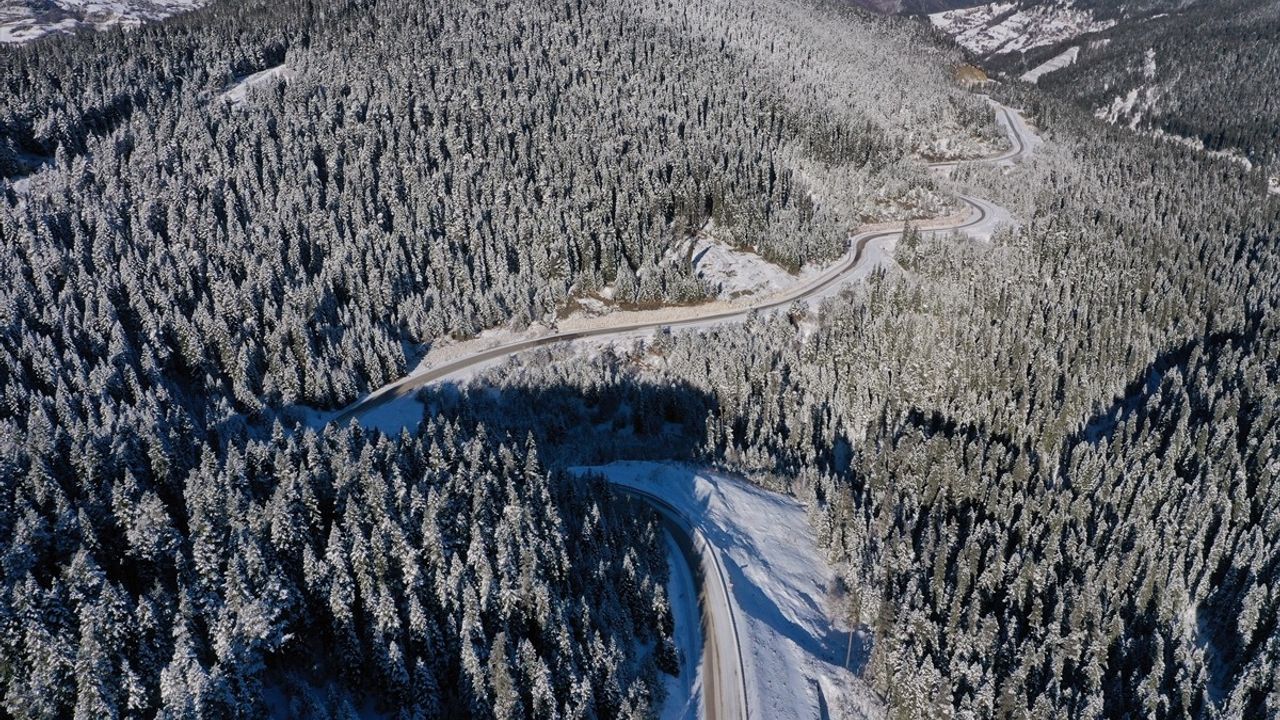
x: 627, y: 418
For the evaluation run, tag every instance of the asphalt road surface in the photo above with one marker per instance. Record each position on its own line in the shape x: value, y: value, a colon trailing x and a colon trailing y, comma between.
x: 725, y: 694
x: 980, y: 213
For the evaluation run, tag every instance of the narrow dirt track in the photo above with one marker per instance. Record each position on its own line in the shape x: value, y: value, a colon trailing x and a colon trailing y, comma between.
x: 978, y: 214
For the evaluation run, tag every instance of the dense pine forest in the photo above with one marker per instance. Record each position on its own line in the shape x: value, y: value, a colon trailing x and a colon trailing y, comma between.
x: 1204, y: 72
x: 428, y: 171
x: 210, y: 220
x: 1043, y: 466
x: 442, y: 574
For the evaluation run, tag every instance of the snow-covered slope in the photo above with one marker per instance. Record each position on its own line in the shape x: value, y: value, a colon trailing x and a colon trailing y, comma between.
x: 26, y: 20
x: 1057, y: 62
x: 1128, y: 108
x: 1004, y: 28
x: 732, y: 272
x: 783, y: 591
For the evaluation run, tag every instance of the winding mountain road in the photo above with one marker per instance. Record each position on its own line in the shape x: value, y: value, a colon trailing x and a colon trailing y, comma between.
x: 980, y: 213
x: 725, y: 693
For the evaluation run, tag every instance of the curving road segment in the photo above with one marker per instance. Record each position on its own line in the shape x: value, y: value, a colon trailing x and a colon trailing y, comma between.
x: 724, y: 678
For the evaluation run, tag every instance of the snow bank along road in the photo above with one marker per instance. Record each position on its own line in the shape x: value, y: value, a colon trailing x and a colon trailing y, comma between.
x: 981, y: 217
x: 724, y: 684
x: 724, y: 678
x: 775, y: 626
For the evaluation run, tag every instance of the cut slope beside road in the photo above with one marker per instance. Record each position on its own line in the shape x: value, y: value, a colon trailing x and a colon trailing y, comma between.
x: 774, y: 627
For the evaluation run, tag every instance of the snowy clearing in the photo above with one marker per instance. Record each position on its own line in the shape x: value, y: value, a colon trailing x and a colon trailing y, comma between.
x: 997, y: 27
x: 1120, y: 106
x: 1062, y: 60
x: 1130, y: 108
x: 27, y: 20
x: 781, y: 589
x: 1197, y: 144
x: 238, y: 90
x: 732, y: 272
x: 41, y: 174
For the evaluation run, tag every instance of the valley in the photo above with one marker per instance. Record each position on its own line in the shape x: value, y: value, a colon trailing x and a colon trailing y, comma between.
x: 631, y: 360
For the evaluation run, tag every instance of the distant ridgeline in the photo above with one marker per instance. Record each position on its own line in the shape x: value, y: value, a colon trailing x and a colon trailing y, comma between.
x: 24, y: 21
x: 1204, y: 73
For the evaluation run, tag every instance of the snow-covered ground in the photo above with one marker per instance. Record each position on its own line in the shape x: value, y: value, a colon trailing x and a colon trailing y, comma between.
x: 684, y: 693
x: 1001, y: 28
x: 1273, y: 185
x: 236, y: 92
x: 26, y: 20
x: 42, y: 174
x: 734, y: 273
x: 1064, y: 59
x: 1149, y: 64
x: 782, y: 590
x: 1121, y: 106
x: 1197, y: 144
x: 1136, y: 103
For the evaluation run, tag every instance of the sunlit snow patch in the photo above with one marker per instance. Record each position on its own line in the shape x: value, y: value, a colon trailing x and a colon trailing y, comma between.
x: 783, y: 591
x: 1062, y: 60
x: 237, y: 91
x: 684, y: 693
x: 733, y: 272
x: 26, y: 20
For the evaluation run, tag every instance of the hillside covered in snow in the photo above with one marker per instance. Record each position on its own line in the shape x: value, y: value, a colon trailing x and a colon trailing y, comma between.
x: 1203, y: 74
x: 1020, y: 461
x: 212, y: 221
x: 1005, y: 27
x: 26, y: 20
